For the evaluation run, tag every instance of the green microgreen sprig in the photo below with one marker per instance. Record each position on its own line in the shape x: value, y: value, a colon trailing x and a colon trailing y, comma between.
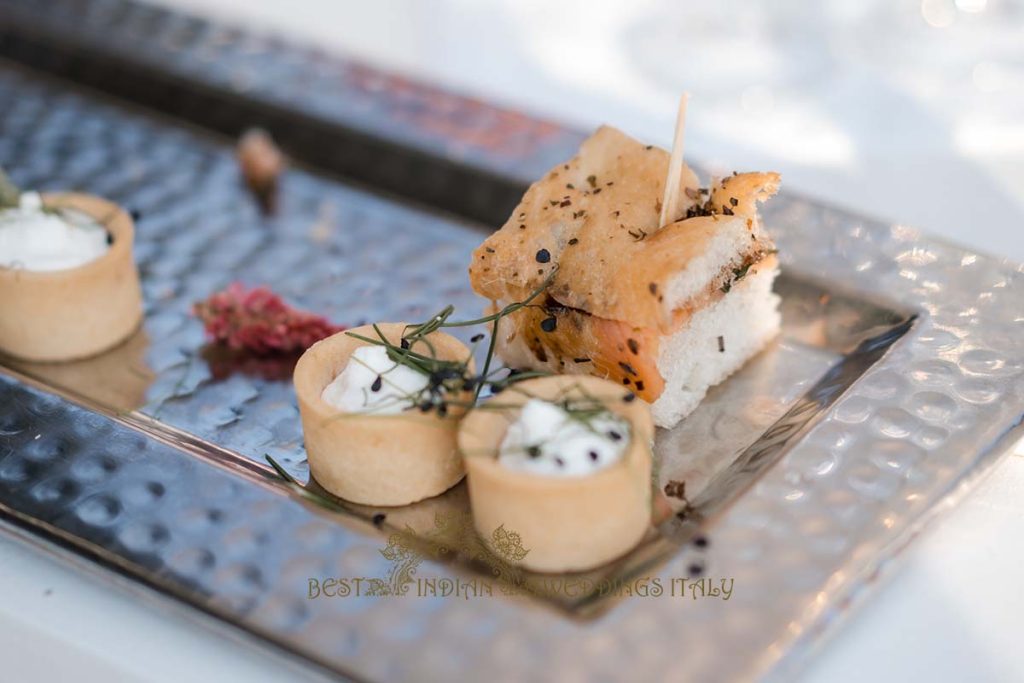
x: 303, y: 492
x: 10, y: 198
x: 10, y: 194
x: 447, y: 378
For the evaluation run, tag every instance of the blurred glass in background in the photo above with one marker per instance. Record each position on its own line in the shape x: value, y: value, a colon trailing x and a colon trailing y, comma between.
x: 908, y: 110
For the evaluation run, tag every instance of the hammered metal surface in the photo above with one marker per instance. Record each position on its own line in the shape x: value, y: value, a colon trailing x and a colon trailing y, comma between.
x: 354, y: 257
x: 342, y: 252
x: 913, y: 428
x: 422, y: 142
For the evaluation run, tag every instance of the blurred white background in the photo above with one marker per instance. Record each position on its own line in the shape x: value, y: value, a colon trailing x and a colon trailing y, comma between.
x: 907, y: 110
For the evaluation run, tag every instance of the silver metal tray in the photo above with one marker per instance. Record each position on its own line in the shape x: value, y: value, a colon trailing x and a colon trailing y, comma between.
x: 896, y: 383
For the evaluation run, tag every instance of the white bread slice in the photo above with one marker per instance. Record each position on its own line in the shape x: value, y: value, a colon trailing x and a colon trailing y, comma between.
x: 729, y: 244
x: 691, y: 360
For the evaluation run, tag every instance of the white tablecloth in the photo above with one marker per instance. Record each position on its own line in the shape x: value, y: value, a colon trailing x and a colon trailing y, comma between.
x: 908, y: 111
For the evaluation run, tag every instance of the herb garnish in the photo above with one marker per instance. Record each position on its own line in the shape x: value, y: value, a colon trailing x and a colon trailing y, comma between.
x: 10, y: 194
x: 10, y: 198
x: 447, y: 378
x: 301, y: 490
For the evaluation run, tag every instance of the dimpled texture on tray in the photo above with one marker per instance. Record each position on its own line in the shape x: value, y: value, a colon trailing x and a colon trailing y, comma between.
x: 807, y: 536
x: 336, y: 250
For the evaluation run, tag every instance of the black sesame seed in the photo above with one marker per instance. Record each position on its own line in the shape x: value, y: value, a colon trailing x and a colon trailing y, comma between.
x: 593, y: 455
x: 533, y: 451
x: 733, y: 201
x: 135, y: 214
x: 627, y: 368
x: 580, y: 360
x: 701, y: 541
x: 640, y: 386
x: 633, y: 346
x: 110, y: 239
x: 614, y: 435
x: 476, y: 337
x: 559, y: 462
x: 676, y: 489
x: 629, y: 398
x: 574, y: 241
x: 625, y: 380
x: 377, y: 384
x: 696, y: 569
x: 405, y: 344
x: 379, y: 518
x: 721, y: 344
x: 543, y: 256
x: 549, y: 324
x: 653, y: 288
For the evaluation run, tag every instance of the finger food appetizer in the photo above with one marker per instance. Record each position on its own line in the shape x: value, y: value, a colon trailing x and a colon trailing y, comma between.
x: 379, y: 406
x: 662, y: 287
x: 565, y: 463
x: 68, y: 283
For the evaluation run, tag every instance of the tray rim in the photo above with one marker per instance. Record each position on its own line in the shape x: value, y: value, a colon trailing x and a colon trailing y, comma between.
x: 983, y: 461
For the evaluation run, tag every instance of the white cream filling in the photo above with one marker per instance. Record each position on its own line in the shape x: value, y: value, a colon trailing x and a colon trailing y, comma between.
x: 373, y: 383
x: 33, y: 239
x: 546, y: 439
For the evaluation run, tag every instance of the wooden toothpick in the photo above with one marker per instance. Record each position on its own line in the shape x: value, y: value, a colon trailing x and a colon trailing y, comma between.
x: 670, y: 201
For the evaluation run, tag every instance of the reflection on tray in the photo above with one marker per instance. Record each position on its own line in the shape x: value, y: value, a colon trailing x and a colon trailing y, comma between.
x: 223, y: 363
x: 119, y: 380
x: 828, y: 340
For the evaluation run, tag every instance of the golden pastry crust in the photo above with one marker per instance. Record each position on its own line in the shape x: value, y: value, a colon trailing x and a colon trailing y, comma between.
x: 376, y: 459
x: 565, y: 523
x: 78, y: 312
x: 741, y: 192
x: 597, y: 218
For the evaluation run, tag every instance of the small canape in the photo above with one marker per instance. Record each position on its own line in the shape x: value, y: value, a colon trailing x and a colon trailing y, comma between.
x: 379, y: 432
x: 565, y: 463
x: 669, y: 303
x: 68, y: 283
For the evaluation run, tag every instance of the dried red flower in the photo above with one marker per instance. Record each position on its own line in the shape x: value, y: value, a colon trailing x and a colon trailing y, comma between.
x: 258, y: 320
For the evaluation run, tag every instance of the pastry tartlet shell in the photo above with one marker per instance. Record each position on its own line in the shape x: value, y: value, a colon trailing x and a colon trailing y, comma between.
x: 382, y: 460
x: 565, y: 523
x: 78, y: 312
